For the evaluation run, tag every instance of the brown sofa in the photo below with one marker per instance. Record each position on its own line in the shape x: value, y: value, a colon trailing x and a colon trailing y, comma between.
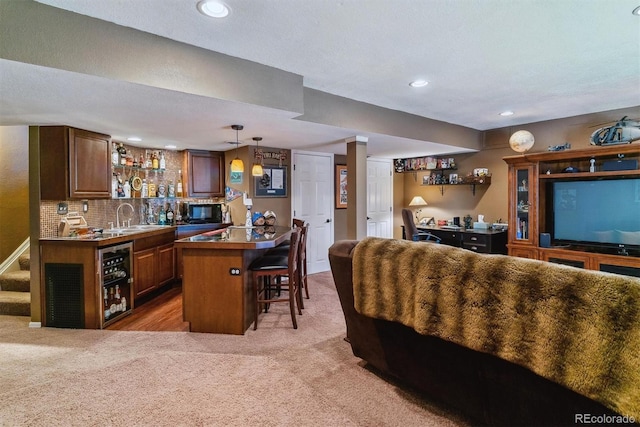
x: 486, y: 388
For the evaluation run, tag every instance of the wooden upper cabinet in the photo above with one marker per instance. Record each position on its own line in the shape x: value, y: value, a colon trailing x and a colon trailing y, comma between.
x: 204, y: 173
x: 74, y: 164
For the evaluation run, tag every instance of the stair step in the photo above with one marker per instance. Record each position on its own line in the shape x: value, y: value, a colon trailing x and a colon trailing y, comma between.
x: 25, y: 261
x: 15, y: 303
x: 16, y: 281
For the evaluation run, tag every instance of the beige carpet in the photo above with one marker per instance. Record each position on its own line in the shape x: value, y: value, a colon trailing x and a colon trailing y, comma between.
x: 275, y: 376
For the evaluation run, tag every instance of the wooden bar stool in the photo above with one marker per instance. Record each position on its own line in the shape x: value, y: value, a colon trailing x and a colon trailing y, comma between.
x: 267, y: 272
x: 302, y: 258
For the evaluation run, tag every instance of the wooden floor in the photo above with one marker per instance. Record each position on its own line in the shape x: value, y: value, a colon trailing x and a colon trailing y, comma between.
x: 163, y: 313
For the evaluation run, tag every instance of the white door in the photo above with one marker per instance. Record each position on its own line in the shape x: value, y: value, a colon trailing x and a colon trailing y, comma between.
x: 379, y: 198
x: 312, y: 201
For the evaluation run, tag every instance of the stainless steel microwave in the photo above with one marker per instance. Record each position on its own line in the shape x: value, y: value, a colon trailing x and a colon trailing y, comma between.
x: 205, y: 213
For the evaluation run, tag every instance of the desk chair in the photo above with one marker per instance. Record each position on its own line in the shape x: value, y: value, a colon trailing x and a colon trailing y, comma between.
x: 412, y: 232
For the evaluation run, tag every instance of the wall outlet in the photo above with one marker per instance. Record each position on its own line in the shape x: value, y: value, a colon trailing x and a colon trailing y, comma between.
x: 63, y: 208
x: 85, y: 206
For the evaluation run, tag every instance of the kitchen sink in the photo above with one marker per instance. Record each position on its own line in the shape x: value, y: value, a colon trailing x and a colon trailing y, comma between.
x: 133, y: 229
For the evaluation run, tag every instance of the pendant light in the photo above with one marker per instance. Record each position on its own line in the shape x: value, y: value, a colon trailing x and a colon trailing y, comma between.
x: 236, y: 164
x: 256, y: 170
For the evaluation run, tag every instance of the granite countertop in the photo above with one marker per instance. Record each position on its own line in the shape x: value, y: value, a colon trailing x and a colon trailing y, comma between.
x: 113, y: 236
x: 238, y: 237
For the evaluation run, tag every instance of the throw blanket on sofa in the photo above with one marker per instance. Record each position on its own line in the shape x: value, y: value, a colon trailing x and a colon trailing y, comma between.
x: 575, y: 327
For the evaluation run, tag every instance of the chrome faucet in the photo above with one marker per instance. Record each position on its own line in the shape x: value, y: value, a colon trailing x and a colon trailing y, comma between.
x: 133, y: 211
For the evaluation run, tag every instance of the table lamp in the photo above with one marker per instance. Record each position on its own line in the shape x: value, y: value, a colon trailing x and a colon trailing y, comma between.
x: 418, y: 201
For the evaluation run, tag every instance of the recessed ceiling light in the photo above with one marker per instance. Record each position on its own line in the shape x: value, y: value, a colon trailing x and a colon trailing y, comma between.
x: 636, y: 11
x: 506, y: 113
x: 134, y: 139
x: 419, y: 83
x: 212, y: 8
x: 170, y: 147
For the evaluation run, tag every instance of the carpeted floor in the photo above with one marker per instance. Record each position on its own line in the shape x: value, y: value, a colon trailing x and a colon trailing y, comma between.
x: 275, y: 376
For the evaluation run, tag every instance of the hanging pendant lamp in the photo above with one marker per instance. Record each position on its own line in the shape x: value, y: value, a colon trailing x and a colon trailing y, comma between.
x: 257, y: 170
x: 236, y: 164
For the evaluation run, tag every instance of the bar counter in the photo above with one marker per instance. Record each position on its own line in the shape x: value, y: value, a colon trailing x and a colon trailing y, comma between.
x: 216, y: 280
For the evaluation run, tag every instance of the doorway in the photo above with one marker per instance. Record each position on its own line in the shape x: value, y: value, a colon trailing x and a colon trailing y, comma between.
x: 312, y: 201
x: 379, y: 198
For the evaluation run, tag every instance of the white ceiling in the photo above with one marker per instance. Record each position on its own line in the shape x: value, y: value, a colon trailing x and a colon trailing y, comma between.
x: 543, y: 59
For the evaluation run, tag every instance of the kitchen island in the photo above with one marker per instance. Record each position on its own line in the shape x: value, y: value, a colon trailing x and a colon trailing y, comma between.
x: 216, y: 281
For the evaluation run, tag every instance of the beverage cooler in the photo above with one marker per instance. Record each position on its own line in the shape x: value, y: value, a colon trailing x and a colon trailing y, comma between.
x: 116, y: 279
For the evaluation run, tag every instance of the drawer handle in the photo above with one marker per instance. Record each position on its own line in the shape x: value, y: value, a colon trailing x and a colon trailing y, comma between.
x: 474, y: 238
x: 475, y: 248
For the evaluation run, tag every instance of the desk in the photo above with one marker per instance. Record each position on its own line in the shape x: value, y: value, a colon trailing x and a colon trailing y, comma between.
x: 216, y: 281
x: 481, y: 241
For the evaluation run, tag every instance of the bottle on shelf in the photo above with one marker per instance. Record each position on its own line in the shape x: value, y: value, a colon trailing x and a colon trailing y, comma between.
x: 152, y: 188
x: 163, y: 162
x: 145, y: 189
x: 115, y: 156
x: 171, y: 190
x: 162, y: 216
x: 150, y: 216
x: 162, y: 189
x: 154, y: 161
x: 123, y: 154
x: 126, y: 187
x: 141, y: 162
x: 148, y: 163
x: 170, y: 215
x: 179, y: 184
x: 178, y: 213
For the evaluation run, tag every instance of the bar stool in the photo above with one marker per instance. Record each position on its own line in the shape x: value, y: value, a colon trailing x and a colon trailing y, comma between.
x: 302, y: 257
x: 274, y: 267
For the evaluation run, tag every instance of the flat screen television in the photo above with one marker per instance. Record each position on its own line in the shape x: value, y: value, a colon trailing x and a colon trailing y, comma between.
x: 602, y: 213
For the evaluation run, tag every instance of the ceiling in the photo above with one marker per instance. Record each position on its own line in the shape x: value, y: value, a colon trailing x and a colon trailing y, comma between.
x: 542, y: 59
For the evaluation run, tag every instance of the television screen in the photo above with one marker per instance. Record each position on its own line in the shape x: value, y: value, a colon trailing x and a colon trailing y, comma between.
x: 602, y: 211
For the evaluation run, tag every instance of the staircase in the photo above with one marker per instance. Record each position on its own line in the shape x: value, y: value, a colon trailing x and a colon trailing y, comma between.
x: 15, y: 295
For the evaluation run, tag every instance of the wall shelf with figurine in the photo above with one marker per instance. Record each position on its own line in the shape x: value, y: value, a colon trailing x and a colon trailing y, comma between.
x: 479, y: 176
x: 417, y: 164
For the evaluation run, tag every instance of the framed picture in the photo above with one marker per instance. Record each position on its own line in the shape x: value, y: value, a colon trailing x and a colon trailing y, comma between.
x: 272, y: 183
x: 341, y: 186
x: 453, y: 178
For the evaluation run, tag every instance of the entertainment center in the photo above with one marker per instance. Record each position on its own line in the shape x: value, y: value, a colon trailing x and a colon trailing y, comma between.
x: 577, y: 207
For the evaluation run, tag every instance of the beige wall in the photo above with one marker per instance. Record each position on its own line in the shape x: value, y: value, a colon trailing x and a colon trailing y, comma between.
x: 14, y: 190
x: 280, y: 205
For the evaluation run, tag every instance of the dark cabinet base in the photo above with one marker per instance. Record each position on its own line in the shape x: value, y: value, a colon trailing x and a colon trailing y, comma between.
x: 481, y: 241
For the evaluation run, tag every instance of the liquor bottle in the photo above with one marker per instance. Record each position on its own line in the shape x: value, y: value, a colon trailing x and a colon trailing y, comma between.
x: 145, y: 189
x: 162, y: 189
x: 154, y: 161
x: 163, y: 162
x: 127, y: 189
x: 169, y: 214
x: 178, y: 213
x: 179, y: 184
x: 115, y: 156
x: 150, y: 216
x: 141, y: 162
x: 152, y: 188
x: 123, y: 154
x: 162, y: 216
x: 171, y: 189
